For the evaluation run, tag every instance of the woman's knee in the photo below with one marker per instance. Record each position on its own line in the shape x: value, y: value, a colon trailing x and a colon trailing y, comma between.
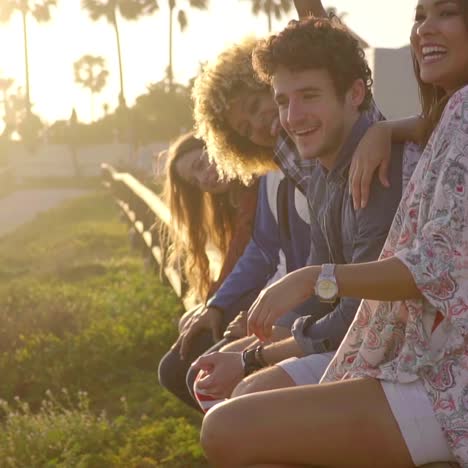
x: 219, y: 435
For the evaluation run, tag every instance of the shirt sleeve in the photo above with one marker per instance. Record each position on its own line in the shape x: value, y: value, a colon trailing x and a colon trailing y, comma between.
x: 437, y: 258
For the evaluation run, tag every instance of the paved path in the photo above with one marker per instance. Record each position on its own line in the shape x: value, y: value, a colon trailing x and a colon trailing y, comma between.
x: 22, y: 206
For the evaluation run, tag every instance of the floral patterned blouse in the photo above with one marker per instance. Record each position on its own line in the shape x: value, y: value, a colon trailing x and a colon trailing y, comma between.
x: 425, y: 339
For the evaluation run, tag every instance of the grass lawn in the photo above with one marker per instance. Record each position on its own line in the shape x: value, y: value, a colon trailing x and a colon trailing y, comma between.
x: 82, y: 329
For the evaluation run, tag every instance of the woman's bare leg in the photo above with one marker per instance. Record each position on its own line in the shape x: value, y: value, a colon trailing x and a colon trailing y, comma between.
x: 341, y: 424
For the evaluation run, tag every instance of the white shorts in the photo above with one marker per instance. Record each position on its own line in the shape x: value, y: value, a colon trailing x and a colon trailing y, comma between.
x: 306, y: 370
x: 409, y: 403
x: 419, y: 427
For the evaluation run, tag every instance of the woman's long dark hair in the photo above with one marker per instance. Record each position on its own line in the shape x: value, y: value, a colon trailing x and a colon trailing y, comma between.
x: 433, y: 98
x: 196, y: 219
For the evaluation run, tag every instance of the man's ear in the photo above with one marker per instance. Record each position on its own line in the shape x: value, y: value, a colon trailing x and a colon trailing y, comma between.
x: 357, y: 93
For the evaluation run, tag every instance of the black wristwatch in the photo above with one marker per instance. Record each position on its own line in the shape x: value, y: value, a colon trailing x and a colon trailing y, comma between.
x: 252, y: 360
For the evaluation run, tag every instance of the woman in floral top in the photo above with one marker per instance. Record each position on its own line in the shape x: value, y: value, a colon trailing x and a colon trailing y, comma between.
x: 396, y: 393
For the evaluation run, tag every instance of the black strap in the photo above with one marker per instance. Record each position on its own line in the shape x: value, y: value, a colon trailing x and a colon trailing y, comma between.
x: 283, y: 211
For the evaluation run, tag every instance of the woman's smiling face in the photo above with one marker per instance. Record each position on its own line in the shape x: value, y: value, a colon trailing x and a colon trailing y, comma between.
x: 439, y: 39
x: 254, y: 115
x: 195, y: 169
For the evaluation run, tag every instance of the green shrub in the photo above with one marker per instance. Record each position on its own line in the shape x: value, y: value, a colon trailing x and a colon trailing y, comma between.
x: 78, y: 313
x: 56, y: 436
x: 172, y: 443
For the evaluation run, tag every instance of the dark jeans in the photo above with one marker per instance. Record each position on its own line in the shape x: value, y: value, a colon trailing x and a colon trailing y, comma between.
x: 172, y: 370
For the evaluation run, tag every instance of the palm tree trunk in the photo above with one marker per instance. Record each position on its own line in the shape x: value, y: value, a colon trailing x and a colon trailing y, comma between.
x: 170, y: 74
x: 119, y: 52
x: 269, y: 21
x: 26, y: 63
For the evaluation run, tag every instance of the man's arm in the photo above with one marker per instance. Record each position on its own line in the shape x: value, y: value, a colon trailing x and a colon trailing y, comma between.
x: 281, y: 350
x: 306, y: 8
x: 224, y: 370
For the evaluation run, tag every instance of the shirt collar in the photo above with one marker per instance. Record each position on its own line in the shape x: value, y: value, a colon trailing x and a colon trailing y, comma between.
x: 360, y: 127
x: 287, y: 157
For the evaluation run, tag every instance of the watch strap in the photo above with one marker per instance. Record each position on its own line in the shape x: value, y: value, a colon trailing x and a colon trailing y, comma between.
x: 328, y: 271
x: 251, y: 361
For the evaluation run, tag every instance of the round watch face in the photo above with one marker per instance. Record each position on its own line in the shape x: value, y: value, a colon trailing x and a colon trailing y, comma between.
x: 327, y: 289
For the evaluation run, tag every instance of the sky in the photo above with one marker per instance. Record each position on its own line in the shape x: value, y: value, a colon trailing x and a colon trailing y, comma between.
x: 55, y: 46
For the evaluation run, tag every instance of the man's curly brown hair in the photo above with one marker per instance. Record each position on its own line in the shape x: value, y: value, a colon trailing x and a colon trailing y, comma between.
x: 315, y: 43
x: 221, y: 81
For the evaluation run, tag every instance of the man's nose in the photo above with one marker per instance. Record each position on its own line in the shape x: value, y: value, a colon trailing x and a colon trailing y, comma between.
x: 295, y: 113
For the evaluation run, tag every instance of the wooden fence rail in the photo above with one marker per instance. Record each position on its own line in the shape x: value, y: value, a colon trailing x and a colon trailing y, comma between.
x: 145, y: 212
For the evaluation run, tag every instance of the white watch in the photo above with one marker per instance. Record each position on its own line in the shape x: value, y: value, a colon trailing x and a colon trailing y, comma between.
x: 326, y: 287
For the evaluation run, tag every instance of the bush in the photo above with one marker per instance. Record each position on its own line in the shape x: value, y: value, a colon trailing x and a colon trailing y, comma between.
x: 56, y: 435
x: 66, y: 435
x: 79, y: 314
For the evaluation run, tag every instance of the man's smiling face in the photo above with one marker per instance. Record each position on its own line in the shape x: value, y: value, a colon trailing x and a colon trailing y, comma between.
x: 311, y: 112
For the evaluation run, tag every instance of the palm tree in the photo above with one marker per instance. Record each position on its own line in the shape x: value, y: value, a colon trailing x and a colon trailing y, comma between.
x: 182, y: 19
x: 91, y: 73
x: 128, y: 9
x: 40, y: 10
x: 5, y: 85
x: 270, y: 8
x: 333, y: 11
x: 341, y: 16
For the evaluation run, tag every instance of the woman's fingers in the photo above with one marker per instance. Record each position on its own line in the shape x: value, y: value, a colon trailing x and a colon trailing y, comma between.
x: 383, y: 173
x: 355, y: 186
x: 365, y: 183
x: 255, y: 314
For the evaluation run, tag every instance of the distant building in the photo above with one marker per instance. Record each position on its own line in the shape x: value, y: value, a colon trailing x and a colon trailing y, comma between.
x: 395, y: 88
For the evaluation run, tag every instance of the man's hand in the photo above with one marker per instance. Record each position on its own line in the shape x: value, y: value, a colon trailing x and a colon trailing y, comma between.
x: 223, y: 371
x: 279, y: 298
x: 208, y: 318
x: 306, y: 8
x: 238, y: 327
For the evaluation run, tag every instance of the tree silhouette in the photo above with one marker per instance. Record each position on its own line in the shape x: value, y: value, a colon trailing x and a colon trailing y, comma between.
x: 5, y: 85
x: 341, y: 16
x: 40, y: 10
x: 128, y: 9
x: 333, y: 11
x: 183, y: 22
x: 90, y: 72
x: 270, y: 8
